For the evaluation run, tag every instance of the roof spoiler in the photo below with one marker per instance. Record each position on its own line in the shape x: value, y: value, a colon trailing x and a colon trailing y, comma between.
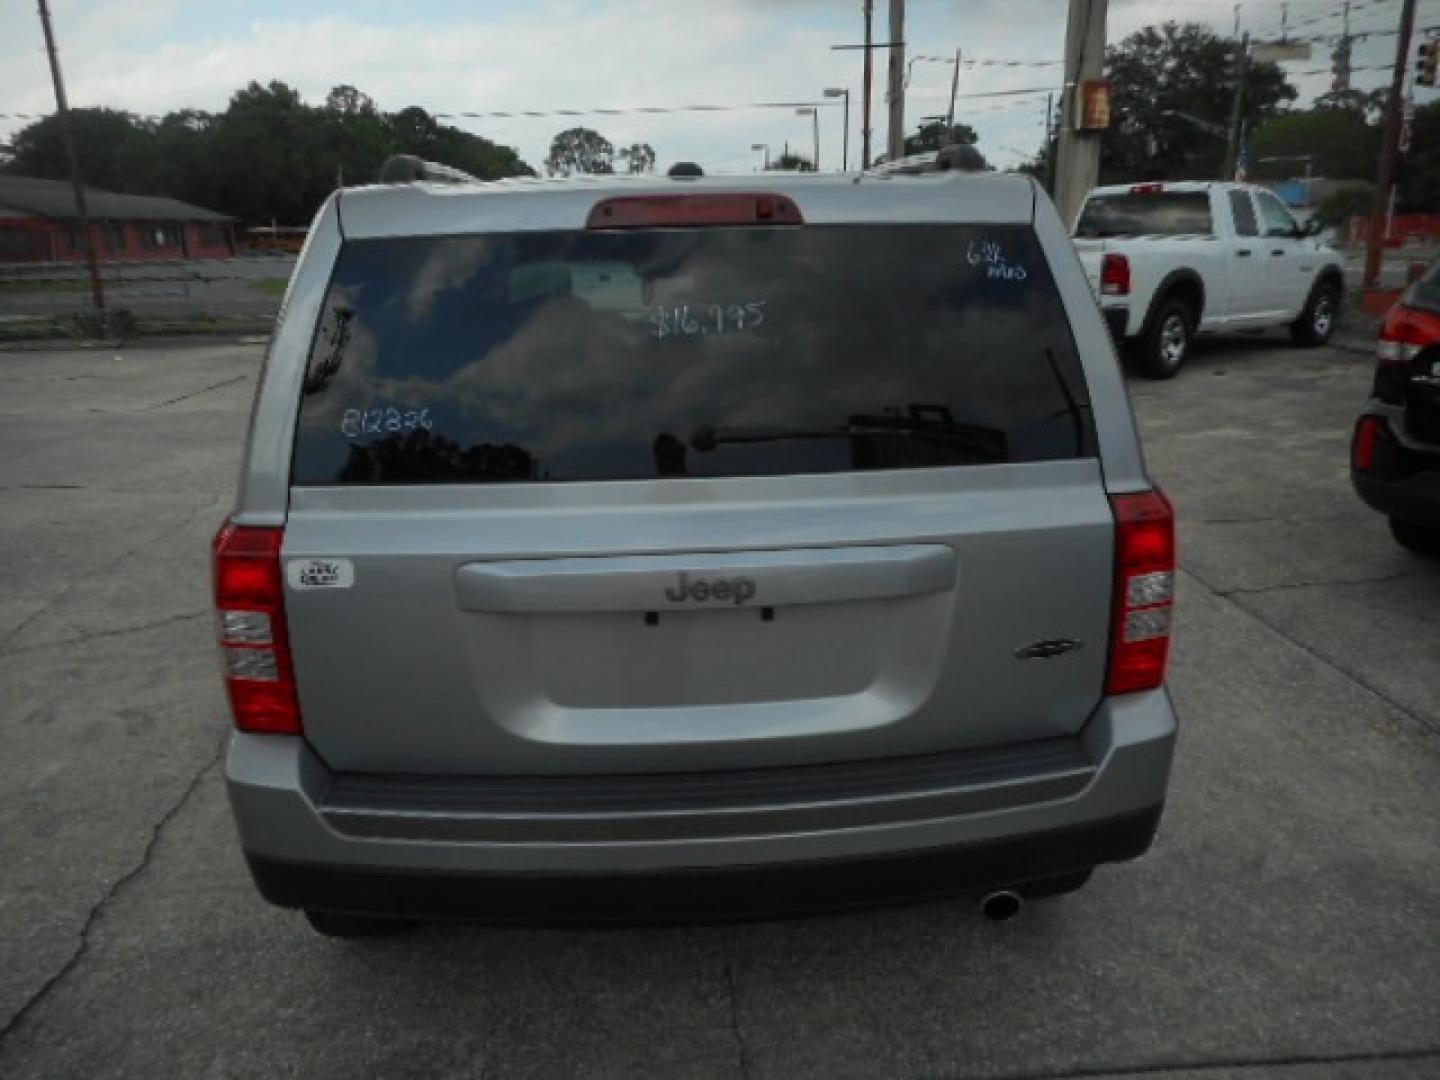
x: 409, y: 169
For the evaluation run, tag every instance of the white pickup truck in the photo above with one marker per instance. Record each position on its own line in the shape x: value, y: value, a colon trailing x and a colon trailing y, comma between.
x: 1170, y: 260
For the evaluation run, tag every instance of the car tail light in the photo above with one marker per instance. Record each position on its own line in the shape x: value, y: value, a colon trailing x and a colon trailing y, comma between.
x: 1144, y: 592
x: 1404, y: 333
x: 1115, y: 275
x: 650, y: 211
x: 1362, y: 447
x: 250, y: 622
x: 1146, y: 189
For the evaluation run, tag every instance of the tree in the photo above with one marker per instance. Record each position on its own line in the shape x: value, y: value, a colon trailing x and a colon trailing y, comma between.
x: 1157, y: 73
x: 1370, y: 103
x: 935, y: 134
x: 580, y: 150
x: 638, y: 158
x: 791, y: 162
x: 1339, y: 143
x: 268, y: 156
x: 1336, y: 210
x: 100, y: 137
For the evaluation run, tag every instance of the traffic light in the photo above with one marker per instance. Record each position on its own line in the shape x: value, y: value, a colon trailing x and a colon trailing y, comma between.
x: 1427, y: 67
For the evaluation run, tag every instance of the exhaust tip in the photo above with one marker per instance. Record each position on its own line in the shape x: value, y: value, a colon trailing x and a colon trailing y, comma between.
x: 1001, y: 905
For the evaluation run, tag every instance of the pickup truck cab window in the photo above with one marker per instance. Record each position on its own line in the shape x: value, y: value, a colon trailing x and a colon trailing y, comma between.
x: 1243, y: 211
x: 1277, y: 219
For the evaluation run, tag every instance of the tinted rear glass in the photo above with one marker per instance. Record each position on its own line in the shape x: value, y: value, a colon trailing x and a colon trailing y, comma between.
x: 1156, y: 214
x: 688, y: 352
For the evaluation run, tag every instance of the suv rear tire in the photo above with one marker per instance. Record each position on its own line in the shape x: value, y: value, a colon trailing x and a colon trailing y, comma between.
x: 1416, y: 538
x: 1317, y: 319
x: 335, y: 925
x: 1162, y: 348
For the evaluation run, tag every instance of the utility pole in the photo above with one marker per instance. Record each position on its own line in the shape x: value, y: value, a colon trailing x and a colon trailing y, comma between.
x: 67, y: 132
x: 869, y: 9
x: 1232, y: 143
x: 1050, y: 145
x: 1386, y: 172
x: 895, y: 142
x: 1079, y: 155
x: 954, y: 86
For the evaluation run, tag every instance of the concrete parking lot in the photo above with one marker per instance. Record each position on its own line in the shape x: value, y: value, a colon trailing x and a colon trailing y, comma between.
x: 1287, y: 924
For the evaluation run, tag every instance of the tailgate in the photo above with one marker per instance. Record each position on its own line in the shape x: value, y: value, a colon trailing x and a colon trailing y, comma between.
x: 502, y: 639
x: 1091, y: 254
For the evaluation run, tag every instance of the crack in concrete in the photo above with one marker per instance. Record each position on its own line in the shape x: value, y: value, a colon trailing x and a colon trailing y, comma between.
x: 97, y: 634
x: 1102, y: 1072
x: 77, y: 582
x: 82, y: 945
x: 1423, y: 723
x: 742, y: 1047
x: 194, y: 393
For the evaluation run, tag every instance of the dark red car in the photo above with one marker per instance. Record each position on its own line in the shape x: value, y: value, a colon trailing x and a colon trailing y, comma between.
x: 1395, y: 452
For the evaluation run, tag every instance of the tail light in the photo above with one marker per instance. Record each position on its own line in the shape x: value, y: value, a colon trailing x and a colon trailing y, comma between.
x: 250, y: 620
x: 1115, y: 275
x: 1362, y: 447
x: 1144, y: 592
x: 653, y: 211
x: 1146, y: 189
x: 1404, y: 333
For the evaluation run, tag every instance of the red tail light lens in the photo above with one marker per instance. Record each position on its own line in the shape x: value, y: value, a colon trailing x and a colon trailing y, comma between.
x: 1362, y: 448
x: 1146, y: 189
x: 1144, y: 592
x: 1404, y: 333
x: 652, y: 211
x: 1115, y: 275
x: 254, y: 644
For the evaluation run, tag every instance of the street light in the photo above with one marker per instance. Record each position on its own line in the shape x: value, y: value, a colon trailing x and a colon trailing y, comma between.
x: 843, y: 91
x: 765, y: 147
x: 814, y: 114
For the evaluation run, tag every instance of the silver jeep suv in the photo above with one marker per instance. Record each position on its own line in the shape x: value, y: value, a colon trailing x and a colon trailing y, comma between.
x: 626, y: 549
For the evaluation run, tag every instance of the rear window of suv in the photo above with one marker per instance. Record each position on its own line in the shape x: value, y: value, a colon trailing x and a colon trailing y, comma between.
x: 704, y: 352
x: 1172, y: 213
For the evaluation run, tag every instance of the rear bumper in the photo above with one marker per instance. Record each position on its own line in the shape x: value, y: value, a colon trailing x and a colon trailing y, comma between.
x: 725, y: 847
x: 703, y: 894
x: 1118, y: 320
x: 1403, y: 482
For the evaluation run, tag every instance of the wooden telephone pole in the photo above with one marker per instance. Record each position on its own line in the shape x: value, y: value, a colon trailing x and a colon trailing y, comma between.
x: 67, y: 133
x: 1389, y: 148
x: 1079, y: 151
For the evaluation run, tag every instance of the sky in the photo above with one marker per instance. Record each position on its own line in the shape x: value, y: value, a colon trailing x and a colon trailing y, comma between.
x: 152, y: 56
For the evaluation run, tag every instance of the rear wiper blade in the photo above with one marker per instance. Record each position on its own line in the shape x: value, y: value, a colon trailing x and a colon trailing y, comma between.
x: 990, y: 442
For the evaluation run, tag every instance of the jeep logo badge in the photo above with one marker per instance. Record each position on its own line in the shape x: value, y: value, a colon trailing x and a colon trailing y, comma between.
x: 736, y: 590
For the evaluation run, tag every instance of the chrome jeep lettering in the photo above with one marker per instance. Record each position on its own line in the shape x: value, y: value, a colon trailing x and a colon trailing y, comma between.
x: 736, y: 590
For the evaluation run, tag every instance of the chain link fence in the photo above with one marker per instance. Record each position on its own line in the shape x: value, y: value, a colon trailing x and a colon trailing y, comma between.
x: 202, y: 295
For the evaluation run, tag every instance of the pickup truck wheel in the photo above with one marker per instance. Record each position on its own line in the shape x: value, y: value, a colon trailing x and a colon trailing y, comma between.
x: 1161, y: 349
x: 1317, y: 321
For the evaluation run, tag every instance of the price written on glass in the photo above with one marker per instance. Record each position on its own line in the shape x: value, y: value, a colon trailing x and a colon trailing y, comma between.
x: 698, y: 320
x: 384, y: 420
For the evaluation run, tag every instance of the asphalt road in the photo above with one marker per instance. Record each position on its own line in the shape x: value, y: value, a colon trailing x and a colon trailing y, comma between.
x: 1287, y: 924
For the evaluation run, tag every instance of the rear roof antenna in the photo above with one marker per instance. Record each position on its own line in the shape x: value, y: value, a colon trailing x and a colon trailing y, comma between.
x: 683, y: 169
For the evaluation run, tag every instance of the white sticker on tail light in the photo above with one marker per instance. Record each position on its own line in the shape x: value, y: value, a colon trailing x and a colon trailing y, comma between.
x: 320, y: 573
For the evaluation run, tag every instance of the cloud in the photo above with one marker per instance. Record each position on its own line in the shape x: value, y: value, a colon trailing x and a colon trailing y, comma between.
x: 158, y: 55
